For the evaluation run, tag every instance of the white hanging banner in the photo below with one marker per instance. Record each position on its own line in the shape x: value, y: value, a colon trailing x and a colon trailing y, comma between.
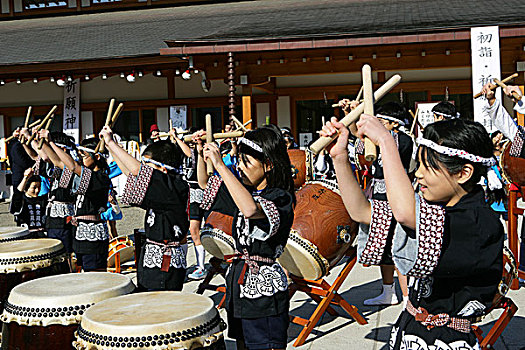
x: 178, y: 116
x: 424, y: 112
x: 486, y: 66
x: 71, y: 118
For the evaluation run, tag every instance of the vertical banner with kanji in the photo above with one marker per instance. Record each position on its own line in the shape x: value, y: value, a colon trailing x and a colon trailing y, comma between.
x: 178, y: 116
x: 486, y: 67
x: 71, y: 119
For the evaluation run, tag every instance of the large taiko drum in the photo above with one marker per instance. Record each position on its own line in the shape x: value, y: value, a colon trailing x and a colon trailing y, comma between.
x: 45, y: 313
x: 13, y: 233
x: 512, y: 168
x: 216, y: 235
x: 27, y: 259
x: 123, y: 246
x: 298, y: 160
x: 322, y: 231
x: 153, y: 320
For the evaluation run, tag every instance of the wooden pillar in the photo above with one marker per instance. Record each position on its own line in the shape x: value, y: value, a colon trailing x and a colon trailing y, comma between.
x: 521, y: 119
x: 11, y: 8
x: 273, y: 111
x: 170, y: 80
x: 381, y: 77
x: 247, y: 104
x: 141, y: 128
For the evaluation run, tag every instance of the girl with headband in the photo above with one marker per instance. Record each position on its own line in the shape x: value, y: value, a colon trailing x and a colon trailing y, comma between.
x: 257, y: 298
x: 445, y: 238
x: 156, y: 185
x: 89, y: 183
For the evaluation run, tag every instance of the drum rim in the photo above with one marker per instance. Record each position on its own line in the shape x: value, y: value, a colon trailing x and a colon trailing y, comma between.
x: 27, y: 309
x: 47, y: 256
x: 208, y: 329
x: 501, y: 161
x: 311, y: 249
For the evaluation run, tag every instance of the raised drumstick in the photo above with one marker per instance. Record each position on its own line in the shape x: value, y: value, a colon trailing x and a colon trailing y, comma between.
x: 41, y: 142
x: 351, y: 117
x: 414, y: 116
x: 494, y: 86
x: 502, y: 85
x: 368, y: 92
x: 209, y: 139
x: 28, y: 116
x: 35, y: 123
x: 218, y: 135
x: 101, y: 145
x: 240, y: 126
x: 171, y: 128
x: 44, y: 121
x: 359, y: 94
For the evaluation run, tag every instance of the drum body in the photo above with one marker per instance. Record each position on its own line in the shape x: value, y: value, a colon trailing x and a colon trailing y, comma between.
x: 122, y: 245
x: 510, y: 272
x: 152, y: 320
x: 216, y: 235
x: 322, y: 231
x: 512, y: 168
x: 298, y: 160
x: 28, y: 259
x: 13, y: 233
x: 44, y: 313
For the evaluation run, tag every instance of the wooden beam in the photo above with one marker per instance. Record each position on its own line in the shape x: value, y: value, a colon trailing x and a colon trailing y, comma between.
x: 170, y: 81
x: 273, y: 111
x: 247, y: 110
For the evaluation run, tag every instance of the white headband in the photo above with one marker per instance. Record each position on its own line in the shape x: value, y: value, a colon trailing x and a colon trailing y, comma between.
x: 63, y: 146
x: 251, y: 144
x: 447, y: 115
x: 392, y: 119
x: 456, y: 152
x: 152, y: 161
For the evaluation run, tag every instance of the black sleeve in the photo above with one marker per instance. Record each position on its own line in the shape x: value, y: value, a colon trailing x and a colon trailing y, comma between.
x: 405, y: 149
x: 277, y: 205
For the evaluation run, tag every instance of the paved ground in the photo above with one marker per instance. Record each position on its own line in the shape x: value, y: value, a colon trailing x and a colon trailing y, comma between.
x: 342, y: 332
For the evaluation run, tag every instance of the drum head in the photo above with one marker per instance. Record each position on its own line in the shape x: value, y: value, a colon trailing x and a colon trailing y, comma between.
x: 62, y: 299
x: 149, y: 320
x: 217, y: 243
x: 11, y: 233
x: 30, y: 254
x: 301, y: 258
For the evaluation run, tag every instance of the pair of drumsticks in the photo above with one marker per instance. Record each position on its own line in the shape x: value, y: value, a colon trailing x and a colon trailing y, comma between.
x: 39, y: 124
x: 111, y: 119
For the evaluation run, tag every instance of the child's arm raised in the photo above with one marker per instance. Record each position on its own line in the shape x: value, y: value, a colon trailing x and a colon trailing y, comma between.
x: 48, y: 151
x: 241, y: 196
x: 399, y: 190
x: 353, y: 197
x: 202, y: 173
x: 126, y: 162
x: 27, y: 174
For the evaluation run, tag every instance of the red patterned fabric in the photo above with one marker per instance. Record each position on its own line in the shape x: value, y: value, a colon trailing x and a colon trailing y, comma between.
x: 431, y: 226
x: 430, y: 321
x: 65, y: 178
x: 141, y: 185
x: 84, y: 181
x: 36, y: 166
x: 128, y: 189
x: 210, y: 192
x: 517, y: 144
x: 377, y: 237
x: 271, y: 212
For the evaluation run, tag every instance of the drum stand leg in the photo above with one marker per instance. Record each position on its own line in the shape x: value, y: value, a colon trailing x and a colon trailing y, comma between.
x: 216, y: 269
x: 325, y: 295
x: 512, y: 231
x: 498, y: 328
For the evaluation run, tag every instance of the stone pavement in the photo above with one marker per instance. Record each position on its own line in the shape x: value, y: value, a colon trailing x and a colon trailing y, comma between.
x: 342, y: 332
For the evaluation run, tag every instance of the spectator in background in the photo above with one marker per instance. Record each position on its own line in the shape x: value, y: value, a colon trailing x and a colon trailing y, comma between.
x: 19, y: 161
x: 154, y: 134
x: 289, y: 139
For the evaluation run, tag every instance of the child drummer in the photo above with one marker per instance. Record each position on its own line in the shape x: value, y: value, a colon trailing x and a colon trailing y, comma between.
x: 447, y: 237
x: 156, y: 185
x: 256, y: 285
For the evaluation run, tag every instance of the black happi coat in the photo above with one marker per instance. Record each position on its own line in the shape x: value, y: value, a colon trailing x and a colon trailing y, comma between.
x: 264, y: 289
x: 29, y: 210
x: 165, y: 199
x: 91, y: 190
x: 455, y: 256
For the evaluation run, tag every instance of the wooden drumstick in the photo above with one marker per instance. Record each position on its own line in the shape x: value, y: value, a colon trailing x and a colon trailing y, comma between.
x: 240, y: 126
x: 41, y: 142
x: 218, y: 135
x: 44, y: 121
x: 171, y: 128
x: 35, y: 123
x: 351, y: 117
x: 338, y: 105
x: 368, y: 93
x: 115, y: 116
x: 502, y: 85
x: 414, y: 116
x: 359, y: 94
x: 28, y: 116
x: 101, y: 145
x: 209, y: 139
x: 494, y: 86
